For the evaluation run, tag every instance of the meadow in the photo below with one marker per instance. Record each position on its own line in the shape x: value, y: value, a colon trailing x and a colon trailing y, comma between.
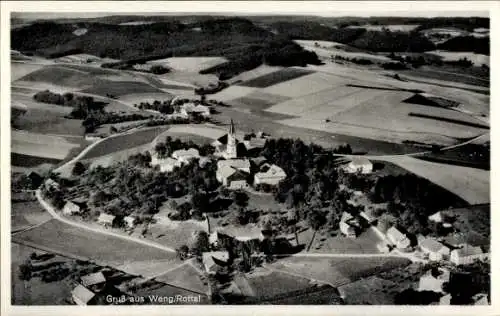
x: 43, y: 146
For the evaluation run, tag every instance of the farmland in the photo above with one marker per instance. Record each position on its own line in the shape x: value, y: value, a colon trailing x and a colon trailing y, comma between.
x: 123, y: 142
x: 25, y: 214
x: 119, y: 88
x: 44, y: 146
x: 65, y: 239
x: 275, y: 77
x: 338, y: 271
x: 477, y: 59
x: 189, y: 64
x: 365, y: 243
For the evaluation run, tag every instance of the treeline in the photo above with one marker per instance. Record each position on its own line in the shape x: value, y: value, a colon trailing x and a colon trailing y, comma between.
x: 358, y: 61
x: 479, y: 45
x: 245, y: 45
x: 165, y: 107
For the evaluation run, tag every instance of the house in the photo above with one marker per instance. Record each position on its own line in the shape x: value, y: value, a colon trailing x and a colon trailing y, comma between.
x: 191, y: 108
x: 166, y: 164
x: 185, y: 156
x: 358, y: 164
x: 347, y: 229
x: 257, y: 162
x: 349, y: 225
x: 130, y: 221
x: 71, y: 208
x: 93, y: 279
x: 254, y: 143
x: 232, y: 178
x: 436, y: 217
x: 271, y: 175
x: 214, y: 259
x: 203, y: 162
x: 467, y: 254
x: 434, y: 249
x: 82, y: 296
x: 434, y: 279
x: 52, y: 185
x: 397, y: 238
x: 369, y: 215
x: 106, y: 219
x: 239, y: 164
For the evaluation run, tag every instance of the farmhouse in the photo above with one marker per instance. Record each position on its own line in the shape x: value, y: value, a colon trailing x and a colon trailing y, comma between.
x: 434, y: 249
x: 254, y: 143
x: 185, y: 156
x: 71, y: 208
x: 433, y: 280
x: 106, y: 219
x: 269, y: 174
x: 129, y: 221
x: 436, y: 217
x: 191, y: 108
x: 166, y: 164
x: 397, y: 238
x: 467, y: 255
x: 93, y: 279
x: 214, y: 259
x: 82, y: 296
x: 232, y: 178
x: 358, y: 164
x: 52, y: 185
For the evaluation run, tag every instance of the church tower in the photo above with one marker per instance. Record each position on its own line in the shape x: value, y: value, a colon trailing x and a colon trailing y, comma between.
x: 231, y: 143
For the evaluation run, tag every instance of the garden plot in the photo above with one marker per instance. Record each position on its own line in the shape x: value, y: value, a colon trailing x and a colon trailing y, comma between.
x: 189, y: 64
x: 338, y: 271
x: 310, y: 102
x: 470, y: 184
x: 306, y: 85
x: 39, y: 145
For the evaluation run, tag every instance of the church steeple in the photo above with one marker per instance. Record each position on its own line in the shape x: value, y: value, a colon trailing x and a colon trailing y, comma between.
x: 231, y: 128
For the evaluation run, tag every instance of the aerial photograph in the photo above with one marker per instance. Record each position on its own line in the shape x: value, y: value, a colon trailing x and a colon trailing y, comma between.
x: 246, y: 159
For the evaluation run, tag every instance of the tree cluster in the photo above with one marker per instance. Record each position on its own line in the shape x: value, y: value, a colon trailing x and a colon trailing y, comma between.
x: 165, y: 107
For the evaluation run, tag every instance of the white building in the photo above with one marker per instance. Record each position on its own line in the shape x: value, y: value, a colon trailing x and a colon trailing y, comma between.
x: 82, y: 296
x: 188, y: 108
x: 186, y: 156
x: 129, y: 221
x: 436, y: 217
x: 434, y: 249
x: 226, y: 146
x: 71, y: 208
x: 467, y: 255
x: 397, y: 238
x: 347, y: 229
x: 433, y: 280
x: 238, y: 164
x: 232, y: 178
x: 213, y: 259
x: 93, y: 279
x: 106, y: 219
x: 358, y: 164
x: 166, y: 164
x: 271, y: 175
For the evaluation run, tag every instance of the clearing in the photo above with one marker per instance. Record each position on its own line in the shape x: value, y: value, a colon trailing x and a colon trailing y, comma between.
x: 189, y: 64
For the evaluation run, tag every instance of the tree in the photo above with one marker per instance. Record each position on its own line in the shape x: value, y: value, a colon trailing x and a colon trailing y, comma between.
x: 201, y: 243
x: 316, y: 219
x: 200, y: 202
x: 25, y: 270
x: 240, y: 198
x: 78, y: 169
x: 182, y: 252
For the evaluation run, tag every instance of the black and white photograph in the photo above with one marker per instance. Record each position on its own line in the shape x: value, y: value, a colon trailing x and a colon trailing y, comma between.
x: 259, y: 156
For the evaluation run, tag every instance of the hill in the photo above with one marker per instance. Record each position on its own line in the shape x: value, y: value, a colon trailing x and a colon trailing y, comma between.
x: 245, y: 45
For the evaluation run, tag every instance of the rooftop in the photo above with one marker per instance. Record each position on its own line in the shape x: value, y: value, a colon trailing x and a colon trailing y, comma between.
x: 93, y: 278
x: 82, y: 293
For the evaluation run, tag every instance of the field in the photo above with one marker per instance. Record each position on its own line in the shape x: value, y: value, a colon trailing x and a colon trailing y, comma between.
x: 275, y: 77
x: 43, y: 146
x: 477, y: 59
x: 123, y: 142
x: 470, y: 184
x: 364, y: 243
x: 254, y: 73
x: 136, y: 98
x: 119, y: 88
x: 189, y: 64
x: 391, y: 27
x: 19, y: 70
x: 186, y: 277
x: 337, y: 271
x: 65, y: 239
x: 328, y: 49
x: 35, y: 291
x: 25, y: 214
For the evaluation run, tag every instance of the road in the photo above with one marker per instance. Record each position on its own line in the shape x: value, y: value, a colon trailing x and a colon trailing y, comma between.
x: 58, y: 217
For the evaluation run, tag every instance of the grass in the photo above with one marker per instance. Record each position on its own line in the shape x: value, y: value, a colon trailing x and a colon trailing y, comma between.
x: 119, y: 88
x: 63, y: 76
x: 365, y: 243
x: 48, y: 122
x: 269, y: 284
x: 458, y: 75
x: 19, y: 70
x: 44, y: 146
x: 191, y: 64
x: 258, y: 101
x: 21, y: 160
x: 448, y: 120
x: 275, y: 77
x: 338, y: 271
x: 27, y: 213
x: 65, y: 239
x: 35, y: 291
x: 123, y: 142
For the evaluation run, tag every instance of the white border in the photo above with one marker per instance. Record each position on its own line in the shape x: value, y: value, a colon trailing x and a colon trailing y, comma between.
x: 339, y: 8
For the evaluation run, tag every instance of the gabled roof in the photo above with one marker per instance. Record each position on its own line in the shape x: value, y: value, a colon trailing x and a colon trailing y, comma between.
x: 93, y: 279
x: 235, y: 163
x: 258, y: 160
x: 396, y: 234
x: 210, y: 259
x: 431, y: 245
x: 469, y: 250
x: 191, y: 152
x: 360, y: 161
x: 226, y: 171
x: 103, y: 217
x: 82, y: 293
x: 273, y: 171
x: 436, y: 217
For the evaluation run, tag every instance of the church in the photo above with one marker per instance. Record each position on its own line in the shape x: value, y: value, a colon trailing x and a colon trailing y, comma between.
x: 227, y: 145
